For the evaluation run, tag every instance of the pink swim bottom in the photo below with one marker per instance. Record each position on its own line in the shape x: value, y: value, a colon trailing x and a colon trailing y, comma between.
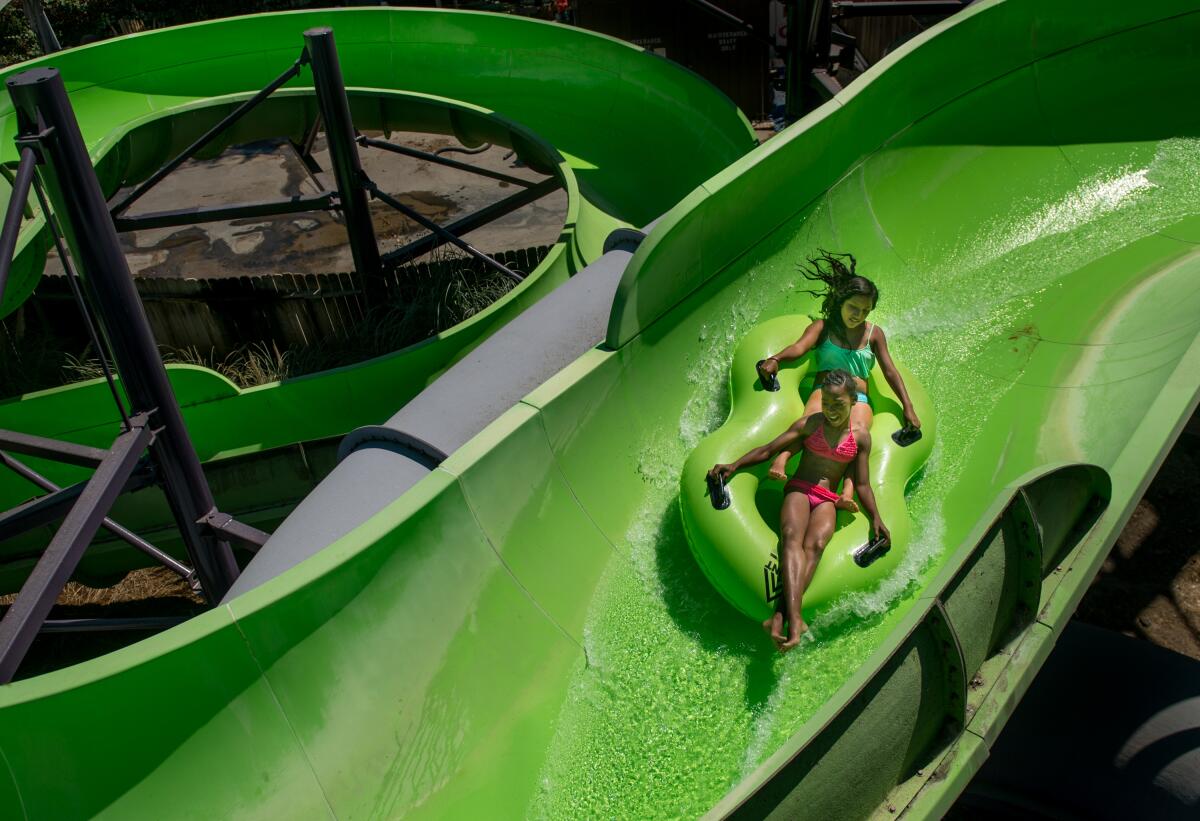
x: 816, y: 494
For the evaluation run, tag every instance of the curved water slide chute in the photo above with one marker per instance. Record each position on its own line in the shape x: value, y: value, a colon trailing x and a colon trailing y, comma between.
x: 625, y: 133
x: 519, y: 628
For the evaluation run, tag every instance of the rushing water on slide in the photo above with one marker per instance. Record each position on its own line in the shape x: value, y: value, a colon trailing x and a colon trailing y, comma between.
x: 682, y: 696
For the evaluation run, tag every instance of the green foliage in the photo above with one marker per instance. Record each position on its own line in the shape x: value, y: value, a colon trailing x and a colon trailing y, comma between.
x: 78, y: 22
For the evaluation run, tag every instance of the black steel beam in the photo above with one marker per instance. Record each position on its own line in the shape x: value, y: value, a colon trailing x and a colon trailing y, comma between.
x: 826, y: 83
x: 35, y: 13
x: 311, y: 166
x: 733, y: 20
x: 470, y: 222
x: 405, y: 151
x: 857, y: 8
x: 53, y: 506
x: 225, y: 525
x: 430, y: 225
x: 121, y: 532
x: 343, y: 155
x: 85, y: 312
x: 40, y: 101
x: 17, y: 199
x: 207, y: 137
x: 107, y: 625
x: 28, y: 611
x: 53, y: 449
x: 250, y: 210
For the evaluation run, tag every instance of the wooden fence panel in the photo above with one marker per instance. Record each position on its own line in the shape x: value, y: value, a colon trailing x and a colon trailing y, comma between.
x: 218, y: 316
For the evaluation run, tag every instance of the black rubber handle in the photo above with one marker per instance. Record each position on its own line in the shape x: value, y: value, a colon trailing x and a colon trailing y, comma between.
x: 718, y: 494
x: 771, y: 381
x: 872, y: 551
x: 906, y: 436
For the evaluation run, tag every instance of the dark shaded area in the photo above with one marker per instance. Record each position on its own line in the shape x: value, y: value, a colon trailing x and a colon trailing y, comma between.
x: 1110, y: 729
x: 1149, y: 586
x: 54, y: 651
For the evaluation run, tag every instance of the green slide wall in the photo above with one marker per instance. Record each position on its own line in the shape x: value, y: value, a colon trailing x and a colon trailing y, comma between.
x: 628, y: 133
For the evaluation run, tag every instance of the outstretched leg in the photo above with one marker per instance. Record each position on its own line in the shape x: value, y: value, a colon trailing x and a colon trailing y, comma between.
x: 821, y: 522
x: 793, y: 521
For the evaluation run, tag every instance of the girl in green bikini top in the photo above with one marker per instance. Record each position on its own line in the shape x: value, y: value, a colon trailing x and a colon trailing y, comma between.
x: 842, y: 339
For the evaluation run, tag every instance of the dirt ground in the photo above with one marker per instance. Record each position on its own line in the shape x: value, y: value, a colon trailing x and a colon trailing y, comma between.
x: 315, y: 242
x: 1149, y: 586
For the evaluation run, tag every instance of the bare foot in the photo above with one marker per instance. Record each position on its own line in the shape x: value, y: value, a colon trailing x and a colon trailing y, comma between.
x: 773, y: 627
x: 778, y: 469
x: 847, y: 504
x: 796, y: 630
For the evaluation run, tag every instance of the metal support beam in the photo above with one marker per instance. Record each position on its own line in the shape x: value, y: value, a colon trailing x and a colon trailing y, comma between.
x: 250, y: 210
x: 430, y: 225
x: 311, y: 166
x: 857, y: 8
x: 405, y: 151
x: 826, y: 83
x: 207, y: 137
x: 41, y: 105
x: 121, y: 532
x: 799, y: 61
x: 733, y: 20
x: 151, y: 623
x: 470, y: 222
x: 27, y: 613
x: 55, y: 450
x: 17, y: 200
x: 230, y: 528
x: 54, y: 505
x: 35, y: 13
x: 343, y: 155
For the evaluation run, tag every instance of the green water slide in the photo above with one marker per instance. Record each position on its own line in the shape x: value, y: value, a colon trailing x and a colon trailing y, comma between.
x: 625, y: 132
x: 524, y: 632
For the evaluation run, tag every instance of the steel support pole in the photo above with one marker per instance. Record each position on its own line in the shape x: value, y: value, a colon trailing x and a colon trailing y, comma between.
x: 343, y: 154
x: 470, y: 222
x: 35, y: 13
x: 123, y: 533
x: 798, y: 62
x: 44, y: 114
x: 27, y: 613
x: 17, y: 199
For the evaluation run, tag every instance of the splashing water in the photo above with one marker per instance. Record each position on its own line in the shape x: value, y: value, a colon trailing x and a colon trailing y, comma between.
x: 682, y: 697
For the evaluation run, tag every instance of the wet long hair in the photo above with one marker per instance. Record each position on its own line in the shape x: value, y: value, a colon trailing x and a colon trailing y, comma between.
x: 836, y: 273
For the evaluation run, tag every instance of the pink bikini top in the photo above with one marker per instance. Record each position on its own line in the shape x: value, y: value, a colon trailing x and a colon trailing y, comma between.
x: 815, y: 444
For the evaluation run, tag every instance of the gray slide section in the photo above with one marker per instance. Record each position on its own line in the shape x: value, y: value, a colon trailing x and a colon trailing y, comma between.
x: 379, y: 463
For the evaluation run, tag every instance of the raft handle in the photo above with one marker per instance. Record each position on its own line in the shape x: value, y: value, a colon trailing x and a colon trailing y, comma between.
x: 907, y: 435
x: 769, y: 381
x: 718, y: 494
x: 873, y: 550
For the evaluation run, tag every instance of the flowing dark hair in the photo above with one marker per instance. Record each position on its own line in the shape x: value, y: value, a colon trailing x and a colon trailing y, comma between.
x: 836, y: 273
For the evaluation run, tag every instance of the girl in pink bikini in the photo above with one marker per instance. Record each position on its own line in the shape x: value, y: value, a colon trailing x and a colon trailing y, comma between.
x: 830, y: 440
x: 842, y: 338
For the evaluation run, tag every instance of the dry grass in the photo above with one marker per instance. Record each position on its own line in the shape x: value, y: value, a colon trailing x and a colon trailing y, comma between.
x: 139, y: 585
x: 428, y: 301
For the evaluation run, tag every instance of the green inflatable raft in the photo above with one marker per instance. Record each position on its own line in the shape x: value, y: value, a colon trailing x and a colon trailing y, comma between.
x: 737, y: 547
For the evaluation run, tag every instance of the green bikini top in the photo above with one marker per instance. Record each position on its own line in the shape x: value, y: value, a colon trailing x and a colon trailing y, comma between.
x: 858, y: 361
